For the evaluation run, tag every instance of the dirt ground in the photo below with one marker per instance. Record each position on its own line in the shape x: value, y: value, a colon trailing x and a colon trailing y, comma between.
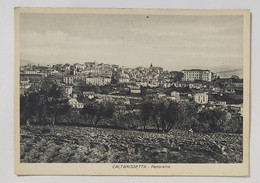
x: 70, y: 144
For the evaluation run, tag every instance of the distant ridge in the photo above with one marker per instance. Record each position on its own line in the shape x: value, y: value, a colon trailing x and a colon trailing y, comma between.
x: 229, y: 73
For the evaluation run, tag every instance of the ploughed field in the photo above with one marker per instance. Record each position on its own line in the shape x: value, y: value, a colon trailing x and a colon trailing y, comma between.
x: 70, y: 144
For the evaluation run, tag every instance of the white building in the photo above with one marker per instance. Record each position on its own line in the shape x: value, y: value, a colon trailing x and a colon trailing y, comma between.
x: 197, y: 74
x: 175, y: 96
x: 201, y: 98
x: 75, y: 104
x: 68, y: 91
x: 101, y: 81
x: 30, y: 72
x: 88, y: 94
x: 123, y: 78
x: 68, y: 80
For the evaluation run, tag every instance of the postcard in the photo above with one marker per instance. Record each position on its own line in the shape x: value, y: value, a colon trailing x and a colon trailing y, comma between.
x: 160, y: 92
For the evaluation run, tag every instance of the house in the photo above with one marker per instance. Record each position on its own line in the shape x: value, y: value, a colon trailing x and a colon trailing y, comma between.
x: 237, y: 107
x: 68, y: 80
x: 229, y: 89
x: 160, y: 95
x: 175, y: 96
x: 123, y: 78
x: 75, y: 104
x: 220, y: 103
x: 30, y: 72
x: 89, y: 94
x: 237, y: 84
x: 24, y: 81
x: 201, y: 98
x: 195, y: 86
x: 68, y: 91
x: 151, y: 93
x: 135, y: 90
x: 216, y: 87
x: 180, y: 84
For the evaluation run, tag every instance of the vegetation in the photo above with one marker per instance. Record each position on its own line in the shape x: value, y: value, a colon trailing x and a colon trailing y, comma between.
x: 97, y: 111
x: 46, y: 104
x: 63, y: 144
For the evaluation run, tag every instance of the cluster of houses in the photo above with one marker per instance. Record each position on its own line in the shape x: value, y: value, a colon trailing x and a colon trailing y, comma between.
x: 203, y: 86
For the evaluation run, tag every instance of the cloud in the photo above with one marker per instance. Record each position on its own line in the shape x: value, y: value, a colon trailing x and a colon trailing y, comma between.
x: 133, y: 40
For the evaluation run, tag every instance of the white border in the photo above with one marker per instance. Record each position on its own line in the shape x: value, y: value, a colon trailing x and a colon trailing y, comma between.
x: 7, y: 76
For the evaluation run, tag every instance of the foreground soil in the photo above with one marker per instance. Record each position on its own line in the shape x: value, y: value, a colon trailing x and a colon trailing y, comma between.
x: 63, y: 144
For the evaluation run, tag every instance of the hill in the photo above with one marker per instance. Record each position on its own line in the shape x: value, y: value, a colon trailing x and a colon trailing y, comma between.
x: 61, y: 144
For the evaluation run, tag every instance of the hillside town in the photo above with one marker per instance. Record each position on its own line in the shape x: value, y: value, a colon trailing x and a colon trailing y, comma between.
x: 127, y: 86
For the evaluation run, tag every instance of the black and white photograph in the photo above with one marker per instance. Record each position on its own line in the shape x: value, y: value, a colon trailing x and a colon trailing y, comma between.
x: 143, y: 90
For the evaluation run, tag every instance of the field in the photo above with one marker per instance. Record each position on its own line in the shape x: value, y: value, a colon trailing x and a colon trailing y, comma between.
x: 63, y: 144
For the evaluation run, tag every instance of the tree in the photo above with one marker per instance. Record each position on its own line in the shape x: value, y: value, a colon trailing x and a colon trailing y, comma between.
x: 187, y: 115
x: 211, y: 120
x: 57, y: 102
x: 97, y: 111
x: 45, y: 101
x: 164, y: 113
x: 89, y: 111
x: 178, y: 76
x: 172, y: 115
x: 146, y: 112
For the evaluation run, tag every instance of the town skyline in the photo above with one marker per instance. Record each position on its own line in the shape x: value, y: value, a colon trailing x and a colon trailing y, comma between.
x: 226, y: 71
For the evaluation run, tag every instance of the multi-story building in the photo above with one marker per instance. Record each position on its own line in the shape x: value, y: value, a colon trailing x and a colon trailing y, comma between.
x: 68, y: 80
x: 197, y: 74
x: 101, y: 81
x: 30, y: 72
x: 201, y: 98
x: 123, y: 78
x: 68, y: 91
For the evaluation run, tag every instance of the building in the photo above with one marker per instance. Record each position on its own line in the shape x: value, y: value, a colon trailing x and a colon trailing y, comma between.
x: 175, y: 96
x: 89, y: 94
x: 68, y: 91
x: 75, y: 104
x: 30, y: 72
x: 24, y: 81
x: 135, y: 90
x: 79, y: 77
x: 237, y: 84
x: 220, y: 103
x: 197, y: 74
x: 180, y: 84
x: 68, y: 80
x: 123, y: 78
x: 195, y: 85
x: 161, y: 95
x: 201, y: 98
x: 96, y: 80
x: 90, y: 64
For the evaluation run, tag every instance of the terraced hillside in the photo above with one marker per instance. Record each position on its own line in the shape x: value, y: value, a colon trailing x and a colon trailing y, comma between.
x: 62, y: 144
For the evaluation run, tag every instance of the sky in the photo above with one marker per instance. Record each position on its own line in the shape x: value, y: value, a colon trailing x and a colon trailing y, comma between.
x: 173, y: 42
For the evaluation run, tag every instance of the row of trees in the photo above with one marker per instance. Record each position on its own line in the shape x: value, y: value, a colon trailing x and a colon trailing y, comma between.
x: 166, y: 114
x: 95, y: 112
x: 48, y: 105
x: 43, y: 104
